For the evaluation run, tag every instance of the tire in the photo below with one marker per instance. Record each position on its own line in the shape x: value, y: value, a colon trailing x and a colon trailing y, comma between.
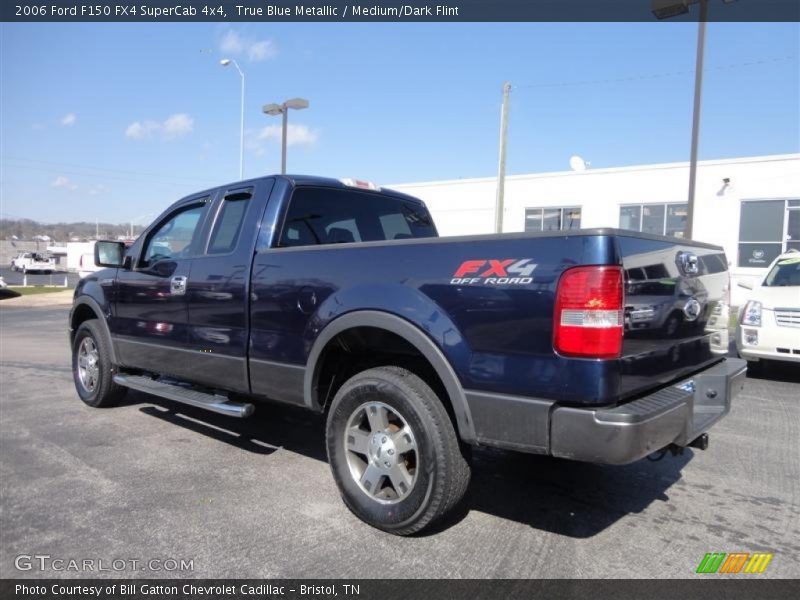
x: 92, y: 369
x: 407, y: 452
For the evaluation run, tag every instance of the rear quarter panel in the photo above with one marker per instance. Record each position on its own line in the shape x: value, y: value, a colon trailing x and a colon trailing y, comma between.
x: 497, y: 336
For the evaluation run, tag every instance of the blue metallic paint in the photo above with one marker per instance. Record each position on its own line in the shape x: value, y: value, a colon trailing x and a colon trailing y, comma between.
x: 496, y: 338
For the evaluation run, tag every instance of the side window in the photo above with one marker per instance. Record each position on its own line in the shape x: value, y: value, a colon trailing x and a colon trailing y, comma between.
x: 228, y: 224
x: 173, y: 238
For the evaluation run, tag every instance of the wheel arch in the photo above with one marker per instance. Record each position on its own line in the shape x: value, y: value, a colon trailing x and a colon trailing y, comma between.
x: 455, y: 399
x: 84, y: 309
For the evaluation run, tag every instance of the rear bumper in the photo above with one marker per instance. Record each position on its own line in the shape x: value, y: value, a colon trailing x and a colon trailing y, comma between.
x: 674, y: 415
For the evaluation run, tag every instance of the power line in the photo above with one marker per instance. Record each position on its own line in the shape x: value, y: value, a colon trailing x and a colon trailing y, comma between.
x: 645, y: 77
x: 138, y: 174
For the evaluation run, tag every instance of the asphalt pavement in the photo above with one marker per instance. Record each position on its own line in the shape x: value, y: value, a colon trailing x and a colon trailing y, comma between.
x: 254, y: 498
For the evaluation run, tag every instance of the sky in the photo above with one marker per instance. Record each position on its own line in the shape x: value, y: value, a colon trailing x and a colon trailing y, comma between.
x: 117, y: 121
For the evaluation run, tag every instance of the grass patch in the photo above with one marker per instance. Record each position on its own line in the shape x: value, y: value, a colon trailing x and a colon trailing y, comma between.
x: 30, y: 291
x: 732, y: 322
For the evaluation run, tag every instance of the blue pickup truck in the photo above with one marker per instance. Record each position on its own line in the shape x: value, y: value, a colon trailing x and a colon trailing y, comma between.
x: 338, y: 296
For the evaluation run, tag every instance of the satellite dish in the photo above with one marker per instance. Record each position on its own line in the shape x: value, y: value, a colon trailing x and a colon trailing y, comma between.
x: 576, y: 163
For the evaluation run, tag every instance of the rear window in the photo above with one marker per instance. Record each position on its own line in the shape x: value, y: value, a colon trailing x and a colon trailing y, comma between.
x: 333, y: 216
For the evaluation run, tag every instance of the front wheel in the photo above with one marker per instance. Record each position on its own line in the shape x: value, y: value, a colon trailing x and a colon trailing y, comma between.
x: 393, y: 451
x: 92, y: 369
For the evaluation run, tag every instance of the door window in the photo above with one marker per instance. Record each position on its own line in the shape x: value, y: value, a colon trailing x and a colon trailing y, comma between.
x: 172, y: 239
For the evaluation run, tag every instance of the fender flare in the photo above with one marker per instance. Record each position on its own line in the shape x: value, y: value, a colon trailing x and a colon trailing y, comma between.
x: 102, y: 318
x: 414, y: 336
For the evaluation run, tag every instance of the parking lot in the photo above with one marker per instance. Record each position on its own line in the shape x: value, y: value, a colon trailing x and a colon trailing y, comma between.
x: 254, y: 498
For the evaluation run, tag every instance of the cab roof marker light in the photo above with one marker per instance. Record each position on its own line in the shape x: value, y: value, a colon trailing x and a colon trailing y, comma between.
x: 360, y: 183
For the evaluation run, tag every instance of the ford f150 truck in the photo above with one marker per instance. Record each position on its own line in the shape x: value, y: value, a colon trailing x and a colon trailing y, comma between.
x: 338, y: 296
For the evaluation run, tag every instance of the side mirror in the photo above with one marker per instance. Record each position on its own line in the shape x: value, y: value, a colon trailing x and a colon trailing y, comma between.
x: 109, y: 254
x: 745, y: 284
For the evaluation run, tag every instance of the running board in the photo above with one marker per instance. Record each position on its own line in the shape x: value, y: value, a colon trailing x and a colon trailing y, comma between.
x: 214, y: 402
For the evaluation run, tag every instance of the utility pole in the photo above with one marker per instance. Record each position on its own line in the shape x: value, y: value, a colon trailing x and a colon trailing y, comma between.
x: 284, y: 133
x: 501, y: 167
x: 698, y: 92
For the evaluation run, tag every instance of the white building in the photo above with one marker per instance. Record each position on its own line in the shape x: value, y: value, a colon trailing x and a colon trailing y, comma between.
x: 749, y: 206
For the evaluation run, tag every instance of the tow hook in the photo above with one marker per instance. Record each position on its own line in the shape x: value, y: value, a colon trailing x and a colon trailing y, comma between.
x: 700, y: 443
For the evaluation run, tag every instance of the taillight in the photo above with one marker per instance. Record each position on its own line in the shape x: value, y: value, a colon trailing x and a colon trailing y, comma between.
x: 589, y: 317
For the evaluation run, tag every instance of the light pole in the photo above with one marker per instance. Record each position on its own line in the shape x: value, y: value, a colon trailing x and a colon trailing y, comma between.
x: 283, y: 109
x: 665, y: 9
x: 137, y: 219
x: 499, y: 209
x: 225, y: 62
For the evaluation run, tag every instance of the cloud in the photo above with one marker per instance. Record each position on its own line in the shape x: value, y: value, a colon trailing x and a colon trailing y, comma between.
x: 263, y: 50
x: 172, y: 127
x: 178, y: 125
x: 69, y: 119
x: 63, y: 182
x: 236, y: 44
x: 296, y: 135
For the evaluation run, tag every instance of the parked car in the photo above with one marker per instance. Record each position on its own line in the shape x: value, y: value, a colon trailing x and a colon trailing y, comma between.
x: 337, y: 296
x: 769, y: 322
x: 33, y: 262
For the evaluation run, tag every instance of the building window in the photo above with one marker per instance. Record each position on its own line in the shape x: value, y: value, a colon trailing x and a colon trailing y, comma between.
x: 660, y: 219
x: 766, y: 229
x: 552, y: 219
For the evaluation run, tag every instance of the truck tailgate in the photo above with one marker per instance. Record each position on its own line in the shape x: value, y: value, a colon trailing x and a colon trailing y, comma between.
x: 676, y: 310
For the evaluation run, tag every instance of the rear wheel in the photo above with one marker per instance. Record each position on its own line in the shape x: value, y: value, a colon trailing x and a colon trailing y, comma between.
x: 393, y: 451
x: 92, y: 369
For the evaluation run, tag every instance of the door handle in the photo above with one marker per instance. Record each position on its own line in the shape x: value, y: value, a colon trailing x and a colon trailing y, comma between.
x: 177, y: 285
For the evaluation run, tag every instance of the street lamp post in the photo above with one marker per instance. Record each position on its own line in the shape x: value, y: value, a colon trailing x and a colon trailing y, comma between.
x: 665, y: 9
x: 225, y: 62
x: 283, y: 110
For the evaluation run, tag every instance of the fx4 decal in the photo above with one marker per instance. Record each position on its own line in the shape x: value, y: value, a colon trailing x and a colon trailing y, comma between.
x: 493, y: 271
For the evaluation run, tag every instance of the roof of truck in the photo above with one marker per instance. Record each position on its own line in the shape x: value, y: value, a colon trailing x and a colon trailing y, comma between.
x: 313, y: 180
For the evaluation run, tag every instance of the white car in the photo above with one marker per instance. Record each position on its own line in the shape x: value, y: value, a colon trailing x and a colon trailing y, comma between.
x: 769, y: 322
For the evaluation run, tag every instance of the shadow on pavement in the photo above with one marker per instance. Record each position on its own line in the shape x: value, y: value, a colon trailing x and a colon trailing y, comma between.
x: 559, y: 496
x: 773, y: 370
